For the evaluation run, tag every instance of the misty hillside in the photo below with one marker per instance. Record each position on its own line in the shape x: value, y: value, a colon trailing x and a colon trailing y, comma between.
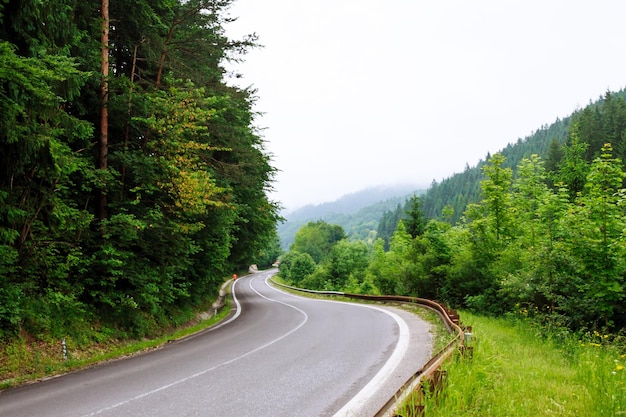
x: 358, y: 213
x: 463, y: 188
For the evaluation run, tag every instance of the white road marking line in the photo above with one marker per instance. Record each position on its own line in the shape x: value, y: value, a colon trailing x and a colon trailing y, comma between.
x: 355, y: 405
x: 197, y: 374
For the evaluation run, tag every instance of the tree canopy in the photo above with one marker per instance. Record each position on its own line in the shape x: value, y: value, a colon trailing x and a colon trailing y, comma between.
x: 181, y: 202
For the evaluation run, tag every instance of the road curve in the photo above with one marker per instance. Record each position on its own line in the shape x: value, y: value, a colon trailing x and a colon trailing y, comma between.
x: 277, y: 355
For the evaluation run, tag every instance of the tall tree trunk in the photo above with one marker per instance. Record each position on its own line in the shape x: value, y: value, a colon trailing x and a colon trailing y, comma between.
x: 103, y: 144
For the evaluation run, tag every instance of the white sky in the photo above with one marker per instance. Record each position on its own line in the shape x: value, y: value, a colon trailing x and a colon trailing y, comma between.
x: 358, y: 93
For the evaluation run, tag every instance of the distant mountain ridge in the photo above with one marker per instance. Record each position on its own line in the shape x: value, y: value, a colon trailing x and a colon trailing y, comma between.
x: 358, y: 213
x: 351, y: 203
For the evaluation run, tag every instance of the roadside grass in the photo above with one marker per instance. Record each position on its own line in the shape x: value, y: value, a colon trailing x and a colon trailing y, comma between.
x: 25, y: 360
x: 518, y: 370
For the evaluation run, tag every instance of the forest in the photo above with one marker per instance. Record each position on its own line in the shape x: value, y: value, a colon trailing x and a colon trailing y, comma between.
x: 545, y: 237
x: 358, y: 213
x: 463, y: 188
x: 133, y: 180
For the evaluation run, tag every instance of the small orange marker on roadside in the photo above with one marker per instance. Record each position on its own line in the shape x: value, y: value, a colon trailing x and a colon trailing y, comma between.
x: 234, y: 277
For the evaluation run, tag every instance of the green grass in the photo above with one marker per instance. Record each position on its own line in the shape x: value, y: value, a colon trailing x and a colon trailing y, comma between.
x: 22, y: 361
x: 517, y: 371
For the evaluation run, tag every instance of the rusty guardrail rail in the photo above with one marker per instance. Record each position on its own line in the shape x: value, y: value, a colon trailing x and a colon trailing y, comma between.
x: 430, y: 370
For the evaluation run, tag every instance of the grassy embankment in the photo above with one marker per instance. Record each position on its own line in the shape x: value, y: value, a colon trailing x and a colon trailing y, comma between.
x: 517, y: 370
x: 24, y: 359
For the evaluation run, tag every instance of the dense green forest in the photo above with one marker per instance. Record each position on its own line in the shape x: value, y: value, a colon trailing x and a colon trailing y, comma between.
x: 132, y: 177
x: 545, y: 236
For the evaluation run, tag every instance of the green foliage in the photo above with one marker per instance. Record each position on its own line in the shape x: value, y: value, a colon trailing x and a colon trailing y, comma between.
x: 496, y: 191
x: 379, y: 271
x: 295, y: 267
x: 317, y: 239
x: 395, y: 271
x: 573, y: 168
x: 414, y: 222
x: 322, y: 258
x: 533, y: 246
x: 270, y: 254
x: 388, y: 223
x: 346, y: 261
x: 10, y: 294
x: 186, y: 180
x: 597, y: 229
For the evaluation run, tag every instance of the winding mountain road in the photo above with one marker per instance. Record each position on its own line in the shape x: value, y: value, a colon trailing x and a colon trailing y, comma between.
x: 277, y: 355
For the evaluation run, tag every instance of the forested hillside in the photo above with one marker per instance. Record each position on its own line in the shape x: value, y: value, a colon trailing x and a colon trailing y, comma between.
x: 132, y: 177
x: 544, y: 238
x: 463, y: 188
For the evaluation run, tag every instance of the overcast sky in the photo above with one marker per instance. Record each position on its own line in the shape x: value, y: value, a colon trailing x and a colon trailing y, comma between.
x: 358, y: 93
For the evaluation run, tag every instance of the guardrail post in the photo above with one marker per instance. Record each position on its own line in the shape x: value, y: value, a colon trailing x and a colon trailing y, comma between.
x: 467, y: 335
x: 467, y: 351
x: 430, y: 387
x: 437, y: 381
x: 415, y: 403
x: 454, y: 316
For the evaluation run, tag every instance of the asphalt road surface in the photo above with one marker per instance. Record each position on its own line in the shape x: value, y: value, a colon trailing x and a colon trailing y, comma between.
x: 277, y: 355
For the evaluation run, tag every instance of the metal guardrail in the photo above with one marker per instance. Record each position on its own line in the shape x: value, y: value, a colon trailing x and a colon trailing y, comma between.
x: 430, y: 370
